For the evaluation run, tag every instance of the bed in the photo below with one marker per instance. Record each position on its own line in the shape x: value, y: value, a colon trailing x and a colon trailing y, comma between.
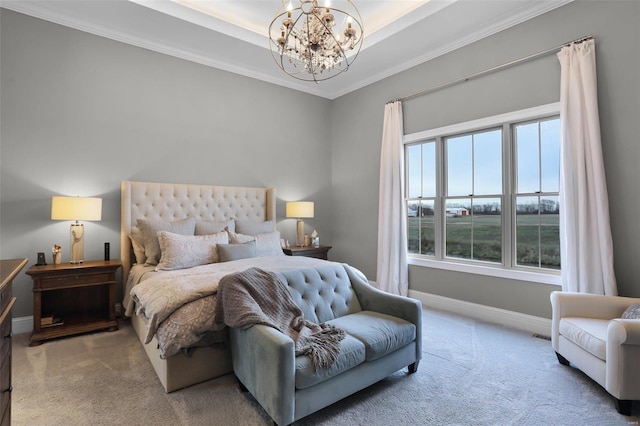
x: 172, y: 202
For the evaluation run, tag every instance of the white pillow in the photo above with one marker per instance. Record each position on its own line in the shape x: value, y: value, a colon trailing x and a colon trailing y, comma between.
x: 150, y: 228
x: 235, y: 238
x: 252, y: 227
x: 205, y: 227
x: 267, y: 244
x: 138, y: 246
x: 187, y: 251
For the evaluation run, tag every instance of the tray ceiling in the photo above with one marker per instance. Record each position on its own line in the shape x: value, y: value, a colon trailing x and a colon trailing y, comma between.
x: 232, y: 34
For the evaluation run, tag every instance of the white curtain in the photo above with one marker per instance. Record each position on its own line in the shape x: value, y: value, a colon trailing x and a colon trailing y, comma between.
x: 585, y: 233
x: 392, y: 274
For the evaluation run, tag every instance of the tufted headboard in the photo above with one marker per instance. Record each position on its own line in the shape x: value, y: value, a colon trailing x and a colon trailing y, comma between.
x: 173, y: 201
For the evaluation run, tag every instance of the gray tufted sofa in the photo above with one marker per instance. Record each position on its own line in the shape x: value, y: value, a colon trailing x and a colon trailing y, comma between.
x: 384, y: 335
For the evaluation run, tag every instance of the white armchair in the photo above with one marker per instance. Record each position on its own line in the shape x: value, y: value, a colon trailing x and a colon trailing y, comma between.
x: 587, y: 331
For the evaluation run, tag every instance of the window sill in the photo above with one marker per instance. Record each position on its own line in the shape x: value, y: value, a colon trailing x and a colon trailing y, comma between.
x: 513, y: 274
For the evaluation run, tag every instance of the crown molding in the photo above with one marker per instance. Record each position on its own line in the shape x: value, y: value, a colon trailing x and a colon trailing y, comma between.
x: 41, y: 11
x: 507, y: 21
x: 37, y: 11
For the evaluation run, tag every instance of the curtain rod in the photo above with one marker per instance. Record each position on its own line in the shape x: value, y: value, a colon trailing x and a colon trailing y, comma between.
x: 490, y: 70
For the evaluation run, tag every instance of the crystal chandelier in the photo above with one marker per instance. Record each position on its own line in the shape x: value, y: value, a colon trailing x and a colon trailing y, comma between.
x: 314, y: 43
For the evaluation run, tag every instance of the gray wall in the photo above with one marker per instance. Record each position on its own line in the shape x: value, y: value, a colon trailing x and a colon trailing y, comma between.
x: 81, y: 113
x: 357, y: 128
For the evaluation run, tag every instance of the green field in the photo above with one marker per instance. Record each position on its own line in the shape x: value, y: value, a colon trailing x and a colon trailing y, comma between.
x: 537, y: 238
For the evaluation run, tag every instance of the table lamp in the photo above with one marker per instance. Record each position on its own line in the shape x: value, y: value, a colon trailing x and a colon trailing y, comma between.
x: 299, y: 210
x: 76, y: 208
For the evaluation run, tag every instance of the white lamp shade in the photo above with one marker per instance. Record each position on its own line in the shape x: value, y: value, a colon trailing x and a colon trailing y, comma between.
x: 299, y: 209
x: 76, y: 208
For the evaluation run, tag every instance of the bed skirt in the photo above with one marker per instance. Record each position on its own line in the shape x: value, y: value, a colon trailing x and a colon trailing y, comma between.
x: 182, y: 370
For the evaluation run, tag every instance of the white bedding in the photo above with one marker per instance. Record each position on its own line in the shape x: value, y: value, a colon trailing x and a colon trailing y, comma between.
x: 179, y: 306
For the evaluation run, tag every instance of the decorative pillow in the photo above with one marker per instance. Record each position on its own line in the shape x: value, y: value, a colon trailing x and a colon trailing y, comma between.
x: 632, y: 312
x: 205, y: 227
x: 268, y: 244
x: 235, y: 238
x: 228, y: 252
x: 252, y: 227
x: 138, y: 246
x: 150, y: 228
x: 187, y: 251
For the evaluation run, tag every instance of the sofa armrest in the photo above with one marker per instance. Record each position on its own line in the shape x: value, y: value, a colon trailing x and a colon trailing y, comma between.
x: 623, y: 352
x: 373, y: 299
x: 264, y: 361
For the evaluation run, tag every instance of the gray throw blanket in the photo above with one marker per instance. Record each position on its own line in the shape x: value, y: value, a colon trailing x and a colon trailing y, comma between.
x: 255, y: 296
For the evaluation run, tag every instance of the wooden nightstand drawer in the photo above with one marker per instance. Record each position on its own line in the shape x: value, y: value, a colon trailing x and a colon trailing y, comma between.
x: 73, y: 280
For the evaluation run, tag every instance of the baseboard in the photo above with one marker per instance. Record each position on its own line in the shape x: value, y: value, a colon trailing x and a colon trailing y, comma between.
x: 22, y: 325
x: 520, y: 321
x: 533, y: 324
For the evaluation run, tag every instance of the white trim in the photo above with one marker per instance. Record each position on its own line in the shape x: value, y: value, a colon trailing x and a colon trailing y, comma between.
x: 517, y: 320
x: 469, y: 126
x: 21, y: 325
x: 543, y: 277
x: 37, y: 11
x: 46, y: 10
x: 512, y: 274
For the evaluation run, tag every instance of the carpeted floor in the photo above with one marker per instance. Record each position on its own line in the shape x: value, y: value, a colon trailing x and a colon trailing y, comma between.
x: 472, y: 373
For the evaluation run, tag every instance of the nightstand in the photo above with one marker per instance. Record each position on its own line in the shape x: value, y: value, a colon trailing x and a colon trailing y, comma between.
x: 73, y: 298
x: 310, y: 251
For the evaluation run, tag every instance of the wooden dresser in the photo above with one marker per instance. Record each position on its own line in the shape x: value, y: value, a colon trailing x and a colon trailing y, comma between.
x: 8, y: 271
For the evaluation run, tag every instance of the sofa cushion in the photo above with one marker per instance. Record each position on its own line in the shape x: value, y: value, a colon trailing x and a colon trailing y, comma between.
x: 588, y: 333
x: 380, y: 333
x: 352, y: 353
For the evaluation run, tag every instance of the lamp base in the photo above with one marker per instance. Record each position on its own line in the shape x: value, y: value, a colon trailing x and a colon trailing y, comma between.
x: 77, y: 243
x: 300, y: 233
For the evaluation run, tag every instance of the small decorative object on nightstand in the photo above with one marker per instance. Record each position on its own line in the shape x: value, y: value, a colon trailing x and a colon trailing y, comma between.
x: 73, y: 298
x: 311, y: 251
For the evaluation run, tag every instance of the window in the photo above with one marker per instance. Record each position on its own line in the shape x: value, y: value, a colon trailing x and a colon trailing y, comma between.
x: 485, y: 193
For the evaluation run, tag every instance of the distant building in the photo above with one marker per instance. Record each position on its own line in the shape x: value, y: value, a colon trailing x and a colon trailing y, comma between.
x: 457, y: 211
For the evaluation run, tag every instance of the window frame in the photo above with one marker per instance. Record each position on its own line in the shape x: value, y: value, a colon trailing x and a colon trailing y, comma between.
x: 508, y: 268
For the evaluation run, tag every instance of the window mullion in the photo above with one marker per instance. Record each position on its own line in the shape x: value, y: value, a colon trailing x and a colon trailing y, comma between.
x: 508, y: 195
x: 439, y: 201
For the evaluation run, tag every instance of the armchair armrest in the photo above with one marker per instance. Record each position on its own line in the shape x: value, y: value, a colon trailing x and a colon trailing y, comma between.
x: 623, y: 350
x: 624, y: 331
x: 373, y: 299
x: 566, y: 304
x: 264, y: 361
